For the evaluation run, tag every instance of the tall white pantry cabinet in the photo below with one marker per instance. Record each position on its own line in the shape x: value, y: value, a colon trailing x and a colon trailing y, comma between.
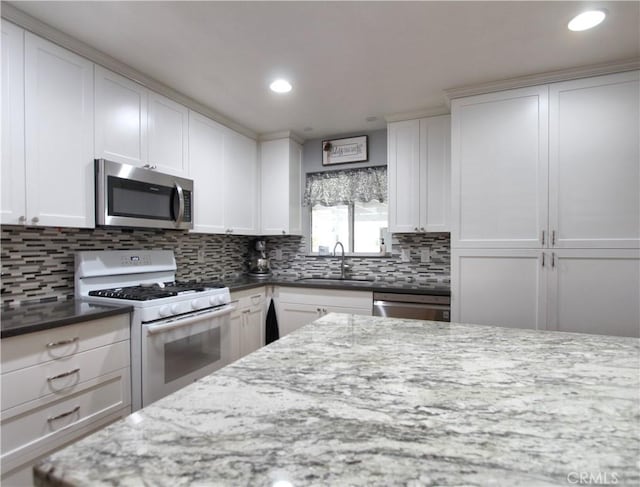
x: 546, y: 206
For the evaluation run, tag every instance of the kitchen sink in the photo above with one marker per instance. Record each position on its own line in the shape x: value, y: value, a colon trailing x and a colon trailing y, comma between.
x: 333, y: 280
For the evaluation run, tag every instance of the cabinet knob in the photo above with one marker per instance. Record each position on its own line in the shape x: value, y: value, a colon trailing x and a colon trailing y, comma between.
x: 35, y: 219
x: 283, y: 232
x: 422, y: 229
x: 22, y: 219
x: 416, y: 229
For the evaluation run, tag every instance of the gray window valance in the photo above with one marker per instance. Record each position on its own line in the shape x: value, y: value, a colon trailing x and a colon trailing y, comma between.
x: 345, y: 187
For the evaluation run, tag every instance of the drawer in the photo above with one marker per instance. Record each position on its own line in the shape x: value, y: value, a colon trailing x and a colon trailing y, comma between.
x: 64, y: 376
x: 23, y: 433
x: 249, y: 297
x: 42, y: 346
x: 326, y: 297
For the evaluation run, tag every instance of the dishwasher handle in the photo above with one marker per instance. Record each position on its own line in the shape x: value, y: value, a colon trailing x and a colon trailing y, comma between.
x: 397, y: 304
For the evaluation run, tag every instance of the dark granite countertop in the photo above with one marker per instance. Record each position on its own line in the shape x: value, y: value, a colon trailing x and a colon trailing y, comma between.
x: 433, y: 289
x: 34, y: 317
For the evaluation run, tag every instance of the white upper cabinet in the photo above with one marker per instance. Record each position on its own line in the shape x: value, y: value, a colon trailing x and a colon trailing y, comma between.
x: 121, y: 119
x: 139, y: 127
x: 241, y: 184
x: 419, y: 175
x: 280, y: 165
x: 500, y: 169
x: 435, y: 173
x: 403, y: 166
x: 59, y: 136
x: 13, y: 177
x: 168, y: 135
x: 594, y: 149
x: 206, y: 161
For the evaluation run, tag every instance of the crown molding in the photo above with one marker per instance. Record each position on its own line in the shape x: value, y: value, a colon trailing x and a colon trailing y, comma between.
x: 31, y: 24
x: 543, y: 78
x: 423, y: 113
x: 284, y: 134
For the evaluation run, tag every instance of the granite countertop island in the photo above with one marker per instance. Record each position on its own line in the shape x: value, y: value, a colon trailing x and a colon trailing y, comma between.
x: 354, y: 400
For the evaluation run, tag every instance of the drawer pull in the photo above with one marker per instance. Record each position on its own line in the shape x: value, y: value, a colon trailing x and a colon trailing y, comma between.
x: 64, y: 374
x: 64, y: 415
x: 63, y: 342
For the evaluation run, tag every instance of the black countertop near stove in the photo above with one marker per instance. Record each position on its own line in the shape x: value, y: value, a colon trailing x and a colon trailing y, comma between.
x: 432, y: 289
x: 34, y: 317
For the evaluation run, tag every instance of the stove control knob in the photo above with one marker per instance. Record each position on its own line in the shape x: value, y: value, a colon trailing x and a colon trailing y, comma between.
x: 220, y: 299
x: 175, y: 309
x: 213, y: 300
x: 195, y: 304
x: 164, y: 311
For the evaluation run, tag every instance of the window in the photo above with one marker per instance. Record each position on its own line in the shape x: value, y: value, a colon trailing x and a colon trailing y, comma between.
x: 350, y: 207
x: 361, y: 227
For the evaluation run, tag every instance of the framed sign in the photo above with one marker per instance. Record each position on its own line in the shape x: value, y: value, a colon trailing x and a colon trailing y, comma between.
x: 342, y: 151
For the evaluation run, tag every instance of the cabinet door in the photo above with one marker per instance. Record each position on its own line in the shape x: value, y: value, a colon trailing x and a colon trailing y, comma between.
x: 595, y: 162
x: 168, y: 135
x: 280, y: 164
x: 499, y: 169
x: 240, y: 184
x: 435, y: 173
x: 403, y: 146
x: 121, y: 119
x: 252, y: 330
x: 295, y: 188
x: 59, y: 135
x: 206, y: 163
x: 595, y: 291
x: 274, y: 165
x: 293, y: 316
x: 499, y: 287
x: 13, y: 177
x: 236, y: 322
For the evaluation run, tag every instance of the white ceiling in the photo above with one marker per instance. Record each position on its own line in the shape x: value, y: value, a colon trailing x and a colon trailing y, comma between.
x: 346, y: 60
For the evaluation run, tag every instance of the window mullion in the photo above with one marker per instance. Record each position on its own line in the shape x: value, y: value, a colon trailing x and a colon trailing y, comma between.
x: 352, y: 216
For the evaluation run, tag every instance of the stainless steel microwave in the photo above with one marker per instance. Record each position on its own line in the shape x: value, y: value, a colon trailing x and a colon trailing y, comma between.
x: 130, y: 196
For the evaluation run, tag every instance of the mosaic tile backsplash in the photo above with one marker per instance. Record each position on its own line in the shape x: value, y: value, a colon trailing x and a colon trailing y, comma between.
x: 38, y: 262
x: 296, y: 263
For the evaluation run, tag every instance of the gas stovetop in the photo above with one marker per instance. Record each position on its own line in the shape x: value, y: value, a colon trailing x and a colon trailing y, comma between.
x: 146, y: 292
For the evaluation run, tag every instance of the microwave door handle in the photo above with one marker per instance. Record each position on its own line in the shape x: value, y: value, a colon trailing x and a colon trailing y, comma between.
x: 180, y: 203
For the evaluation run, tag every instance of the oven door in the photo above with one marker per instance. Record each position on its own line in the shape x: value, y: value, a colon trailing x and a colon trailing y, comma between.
x: 181, y: 350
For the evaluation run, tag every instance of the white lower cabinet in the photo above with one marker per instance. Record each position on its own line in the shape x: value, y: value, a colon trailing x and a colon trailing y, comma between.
x: 299, y: 306
x: 595, y: 291
x: 498, y: 287
x: 576, y: 290
x: 247, y: 322
x: 59, y: 385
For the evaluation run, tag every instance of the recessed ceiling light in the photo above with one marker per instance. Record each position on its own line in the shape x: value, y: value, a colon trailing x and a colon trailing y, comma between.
x: 586, y: 20
x: 308, y: 129
x: 371, y: 119
x: 280, y: 86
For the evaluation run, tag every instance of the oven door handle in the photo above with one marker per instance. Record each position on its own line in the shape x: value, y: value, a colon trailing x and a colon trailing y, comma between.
x: 184, y: 321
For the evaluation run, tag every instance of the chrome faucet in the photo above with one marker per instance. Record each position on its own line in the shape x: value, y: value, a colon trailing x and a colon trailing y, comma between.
x: 342, y: 276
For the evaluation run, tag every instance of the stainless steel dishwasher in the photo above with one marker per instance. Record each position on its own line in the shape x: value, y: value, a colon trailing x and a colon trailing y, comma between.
x: 414, y: 306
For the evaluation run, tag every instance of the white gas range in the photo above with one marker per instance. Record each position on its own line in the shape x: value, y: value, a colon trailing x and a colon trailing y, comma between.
x: 179, y: 330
